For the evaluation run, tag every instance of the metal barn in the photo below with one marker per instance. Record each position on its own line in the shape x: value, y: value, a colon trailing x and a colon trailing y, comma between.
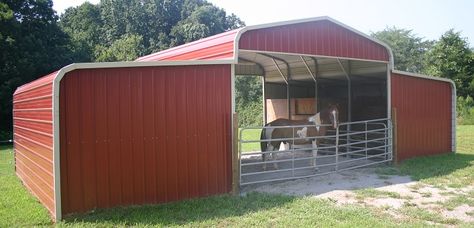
x: 160, y: 129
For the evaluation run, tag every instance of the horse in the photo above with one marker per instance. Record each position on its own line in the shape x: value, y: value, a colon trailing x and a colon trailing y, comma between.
x: 319, y: 124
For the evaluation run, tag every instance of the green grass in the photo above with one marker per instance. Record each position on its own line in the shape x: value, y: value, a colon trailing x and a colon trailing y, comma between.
x: 248, y: 211
x: 374, y: 193
x: 17, y: 206
x: 250, y: 134
x: 465, y: 138
x: 458, y: 200
x: 416, y: 214
x: 452, y: 170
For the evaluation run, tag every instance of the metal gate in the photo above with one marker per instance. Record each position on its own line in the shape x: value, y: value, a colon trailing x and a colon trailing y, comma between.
x: 351, y: 145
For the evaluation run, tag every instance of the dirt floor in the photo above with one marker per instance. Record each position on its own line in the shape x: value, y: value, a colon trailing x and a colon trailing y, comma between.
x: 396, y: 195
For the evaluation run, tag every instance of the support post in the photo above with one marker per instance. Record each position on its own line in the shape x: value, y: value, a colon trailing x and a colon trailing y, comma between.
x: 288, y: 100
x: 235, y: 155
x: 349, y: 102
x: 265, y: 118
x: 394, y: 136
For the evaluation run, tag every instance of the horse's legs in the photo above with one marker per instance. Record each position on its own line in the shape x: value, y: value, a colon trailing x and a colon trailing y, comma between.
x: 315, y: 152
x: 265, y: 155
x: 275, y: 154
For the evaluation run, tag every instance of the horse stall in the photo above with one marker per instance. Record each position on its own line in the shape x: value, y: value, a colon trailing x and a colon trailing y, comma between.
x: 297, y: 87
x: 161, y: 128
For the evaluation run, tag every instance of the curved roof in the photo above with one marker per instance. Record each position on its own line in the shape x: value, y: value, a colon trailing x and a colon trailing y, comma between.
x: 320, y: 36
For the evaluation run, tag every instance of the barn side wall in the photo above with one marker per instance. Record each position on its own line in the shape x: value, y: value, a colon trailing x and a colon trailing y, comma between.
x: 147, y: 135
x: 423, y: 115
x: 33, y: 138
x: 322, y: 37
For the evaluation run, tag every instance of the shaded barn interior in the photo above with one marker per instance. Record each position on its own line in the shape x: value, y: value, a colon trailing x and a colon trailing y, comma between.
x: 297, y: 87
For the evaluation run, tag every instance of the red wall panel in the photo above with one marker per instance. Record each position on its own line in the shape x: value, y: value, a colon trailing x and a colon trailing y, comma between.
x: 424, y: 121
x: 144, y: 135
x: 33, y: 138
x: 313, y: 38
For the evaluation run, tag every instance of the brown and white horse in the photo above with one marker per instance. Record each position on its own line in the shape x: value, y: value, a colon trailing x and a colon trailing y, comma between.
x: 319, y: 124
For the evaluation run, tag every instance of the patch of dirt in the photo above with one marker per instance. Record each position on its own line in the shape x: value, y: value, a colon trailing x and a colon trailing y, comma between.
x: 463, y: 212
x: 339, y: 188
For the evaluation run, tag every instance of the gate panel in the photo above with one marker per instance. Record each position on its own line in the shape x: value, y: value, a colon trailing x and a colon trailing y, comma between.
x: 351, y: 145
x: 144, y: 135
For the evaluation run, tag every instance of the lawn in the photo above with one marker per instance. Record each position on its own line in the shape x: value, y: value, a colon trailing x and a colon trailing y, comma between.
x: 250, y: 134
x: 19, y: 208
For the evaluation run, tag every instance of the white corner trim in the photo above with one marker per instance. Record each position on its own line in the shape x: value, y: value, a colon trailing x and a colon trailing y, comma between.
x: 453, y: 100
x: 56, y: 128
x: 254, y: 27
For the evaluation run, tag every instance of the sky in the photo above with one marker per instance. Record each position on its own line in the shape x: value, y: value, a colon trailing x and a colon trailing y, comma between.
x: 427, y: 18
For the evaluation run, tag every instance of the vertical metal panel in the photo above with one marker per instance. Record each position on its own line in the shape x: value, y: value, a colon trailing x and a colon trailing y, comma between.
x: 314, y: 38
x: 144, y: 135
x: 33, y: 138
x: 423, y: 116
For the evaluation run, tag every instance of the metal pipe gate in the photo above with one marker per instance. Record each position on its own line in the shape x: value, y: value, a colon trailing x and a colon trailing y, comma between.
x: 351, y: 145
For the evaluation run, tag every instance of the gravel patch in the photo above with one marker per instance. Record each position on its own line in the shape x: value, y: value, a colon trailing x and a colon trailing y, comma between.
x: 339, y: 188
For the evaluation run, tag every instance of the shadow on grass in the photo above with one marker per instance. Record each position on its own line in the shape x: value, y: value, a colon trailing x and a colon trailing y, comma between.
x: 196, y: 211
x: 422, y: 168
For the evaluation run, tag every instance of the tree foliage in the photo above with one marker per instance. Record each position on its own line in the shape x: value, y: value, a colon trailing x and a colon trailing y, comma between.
x: 452, y: 58
x: 83, y: 24
x: 127, y: 48
x: 115, y: 25
x: 31, y: 45
x: 408, y: 49
x: 248, y: 99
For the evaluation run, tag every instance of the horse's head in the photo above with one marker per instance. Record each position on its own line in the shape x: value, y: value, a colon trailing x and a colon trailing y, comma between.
x: 334, y: 115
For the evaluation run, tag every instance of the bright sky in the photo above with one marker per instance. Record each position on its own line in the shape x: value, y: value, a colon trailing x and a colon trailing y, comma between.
x: 427, y: 18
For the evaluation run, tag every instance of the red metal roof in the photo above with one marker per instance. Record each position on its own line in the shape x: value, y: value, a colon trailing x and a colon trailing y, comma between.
x: 217, y: 47
x: 43, y: 81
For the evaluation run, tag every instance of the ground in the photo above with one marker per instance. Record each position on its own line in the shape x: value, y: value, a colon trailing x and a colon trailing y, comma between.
x: 436, y: 190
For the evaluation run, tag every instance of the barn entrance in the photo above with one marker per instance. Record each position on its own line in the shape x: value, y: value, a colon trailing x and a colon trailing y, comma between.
x: 297, y: 87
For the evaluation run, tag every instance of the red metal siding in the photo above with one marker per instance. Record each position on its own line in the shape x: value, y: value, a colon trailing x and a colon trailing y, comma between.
x: 313, y: 38
x: 144, y: 135
x: 217, y: 47
x: 423, y: 116
x: 33, y: 138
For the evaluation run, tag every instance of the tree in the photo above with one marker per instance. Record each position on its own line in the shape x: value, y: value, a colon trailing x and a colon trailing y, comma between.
x: 127, y: 48
x: 408, y: 49
x: 248, y: 97
x: 31, y: 45
x: 452, y: 58
x: 161, y: 24
x: 83, y: 24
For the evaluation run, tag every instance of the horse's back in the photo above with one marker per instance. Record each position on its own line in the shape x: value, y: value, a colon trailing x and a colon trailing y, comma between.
x: 287, y: 122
